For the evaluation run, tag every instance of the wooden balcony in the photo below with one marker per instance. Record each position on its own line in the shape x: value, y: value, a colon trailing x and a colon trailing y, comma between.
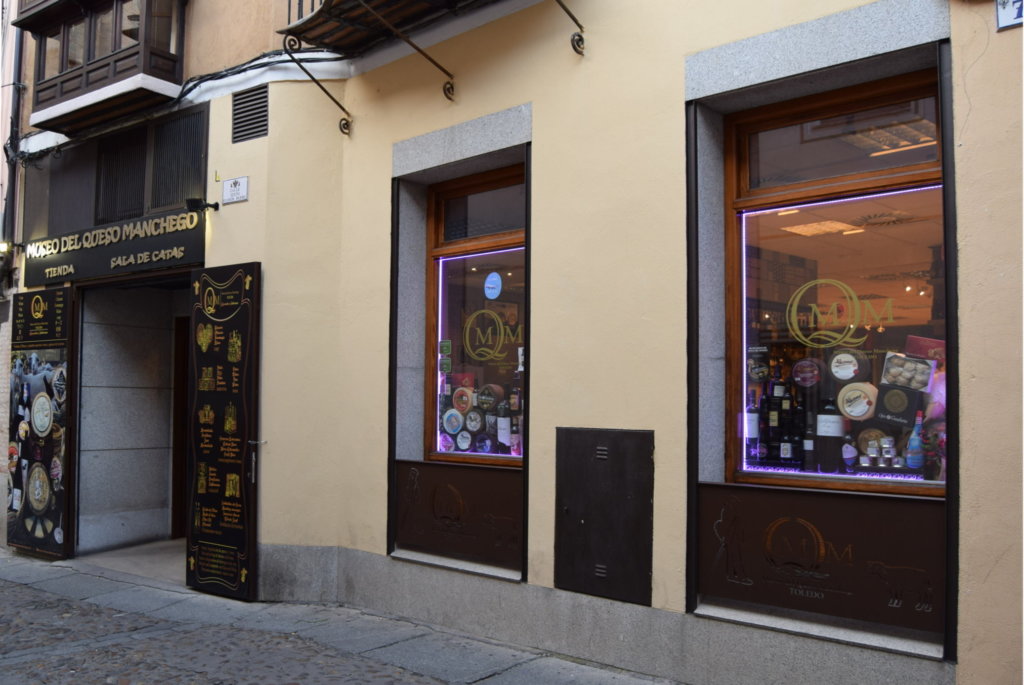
x: 127, y: 81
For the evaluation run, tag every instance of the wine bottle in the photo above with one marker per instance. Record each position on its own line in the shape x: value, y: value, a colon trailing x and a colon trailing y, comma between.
x: 515, y: 439
x: 914, y: 453
x: 810, y: 460
x: 849, y: 449
x: 828, y: 441
x: 751, y: 427
x: 504, y: 425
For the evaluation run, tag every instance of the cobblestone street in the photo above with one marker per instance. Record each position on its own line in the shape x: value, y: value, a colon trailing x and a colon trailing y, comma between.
x: 69, y: 623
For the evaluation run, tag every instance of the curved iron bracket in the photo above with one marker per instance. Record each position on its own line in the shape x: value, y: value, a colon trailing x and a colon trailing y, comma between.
x: 576, y: 40
x: 291, y: 43
x: 449, y: 86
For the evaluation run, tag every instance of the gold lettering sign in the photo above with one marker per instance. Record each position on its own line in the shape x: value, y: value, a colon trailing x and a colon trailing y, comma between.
x: 483, y: 335
x: 847, y: 314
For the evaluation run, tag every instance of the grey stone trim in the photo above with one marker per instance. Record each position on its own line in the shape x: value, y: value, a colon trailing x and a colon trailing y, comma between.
x: 490, y: 133
x: 683, y: 647
x: 867, y: 31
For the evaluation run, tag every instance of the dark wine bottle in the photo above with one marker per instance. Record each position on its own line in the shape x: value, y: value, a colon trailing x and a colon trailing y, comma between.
x: 810, y: 456
x: 828, y: 441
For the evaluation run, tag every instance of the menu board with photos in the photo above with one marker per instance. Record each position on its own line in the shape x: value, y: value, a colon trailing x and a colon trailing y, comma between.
x: 223, y: 433
x: 37, y: 452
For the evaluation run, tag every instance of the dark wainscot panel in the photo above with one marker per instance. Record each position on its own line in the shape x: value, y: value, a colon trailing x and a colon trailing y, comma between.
x: 867, y: 557
x: 473, y: 513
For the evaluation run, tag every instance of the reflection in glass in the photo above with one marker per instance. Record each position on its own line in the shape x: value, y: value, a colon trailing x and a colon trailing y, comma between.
x: 103, y: 38
x: 486, y: 213
x: 895, y: 135
x: 129, y: 23
x: 481, y: 351
x: 76, y: 44
x: 163, y: 25
x: 844, y: 338
x: 51, y: 56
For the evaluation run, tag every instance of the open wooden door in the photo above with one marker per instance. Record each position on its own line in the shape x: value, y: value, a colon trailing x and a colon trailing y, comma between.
x: 223, y: 431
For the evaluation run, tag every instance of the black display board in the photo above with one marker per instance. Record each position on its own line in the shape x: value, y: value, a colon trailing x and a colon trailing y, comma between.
x: 223, y: 431
x: 38, y: 452
x: 874, y: 558
x: 158, y: 241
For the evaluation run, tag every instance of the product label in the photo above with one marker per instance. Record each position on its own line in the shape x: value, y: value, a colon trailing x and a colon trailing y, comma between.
x: 773, y: 418
x: 844, y: 366
x: 830, y: 426
x: 778, y: 391
x: 849, y: 453
x: 856, y: 403
x: 808, y: 445
x: 786, y: 450
x: 753, y: 426
x: 785, y: 405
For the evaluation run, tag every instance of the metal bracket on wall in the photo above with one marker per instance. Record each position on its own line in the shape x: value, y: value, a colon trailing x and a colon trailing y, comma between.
x: 449, y: 86
x: 576, y: 40
x: 292, y: 43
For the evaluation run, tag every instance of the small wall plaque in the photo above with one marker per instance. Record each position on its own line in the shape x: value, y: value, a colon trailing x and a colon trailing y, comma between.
x: 235, y: 190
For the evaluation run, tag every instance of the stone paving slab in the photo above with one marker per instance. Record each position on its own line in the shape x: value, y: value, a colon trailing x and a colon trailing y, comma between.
x: 196, y: 608
x: 552, y: 671
x: 32, y: 572
x: 294, y: 618
x: 80, y: 586
x: 451, y: 657
x: 138, y: 600
x: 364, y: 633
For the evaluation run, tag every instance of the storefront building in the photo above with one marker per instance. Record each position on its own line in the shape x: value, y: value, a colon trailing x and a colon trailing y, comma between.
x: 659, y: 336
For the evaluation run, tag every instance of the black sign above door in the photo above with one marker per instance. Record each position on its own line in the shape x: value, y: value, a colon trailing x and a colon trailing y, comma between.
x: 160, y: 241
x: 223, y: 431
x: 38, y: 451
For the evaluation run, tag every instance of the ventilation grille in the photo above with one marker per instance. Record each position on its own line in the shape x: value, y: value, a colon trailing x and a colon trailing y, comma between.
x: 249, y: 114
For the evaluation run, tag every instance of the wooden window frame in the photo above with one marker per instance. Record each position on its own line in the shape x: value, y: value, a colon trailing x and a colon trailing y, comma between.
x: 740, y: 197
x: 438, y: 247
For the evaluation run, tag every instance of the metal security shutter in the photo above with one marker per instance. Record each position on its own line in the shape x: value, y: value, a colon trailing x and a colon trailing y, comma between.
x: 121, y: 176
x: 249, y: 114
x: 179, y: 170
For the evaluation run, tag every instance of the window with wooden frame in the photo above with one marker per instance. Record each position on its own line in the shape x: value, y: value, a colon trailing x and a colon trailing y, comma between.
x: 836, y: 282
x: 477, y: 297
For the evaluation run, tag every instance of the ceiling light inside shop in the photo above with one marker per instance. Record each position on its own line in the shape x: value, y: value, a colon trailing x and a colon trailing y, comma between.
x: 820, y: 228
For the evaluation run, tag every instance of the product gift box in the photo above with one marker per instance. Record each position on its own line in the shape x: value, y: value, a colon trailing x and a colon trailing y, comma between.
x: 898, y: 406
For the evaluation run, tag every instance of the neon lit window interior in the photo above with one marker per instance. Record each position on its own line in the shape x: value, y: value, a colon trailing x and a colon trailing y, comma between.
x: 481, y: 350
x: 844, y: 338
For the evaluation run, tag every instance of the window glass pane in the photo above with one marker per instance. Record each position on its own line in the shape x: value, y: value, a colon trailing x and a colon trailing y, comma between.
x: 858, y: 142
x: 492, y: 211
x: 76, y: 44
x: 844, y: 338
x: 51, y: 56
x: 163, y: 25
x: 481, y: 313
x: 129, y: 24
x: 103, y: 38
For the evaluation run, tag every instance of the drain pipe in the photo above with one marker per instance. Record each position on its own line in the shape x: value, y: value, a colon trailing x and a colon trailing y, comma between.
x: 13, y: 141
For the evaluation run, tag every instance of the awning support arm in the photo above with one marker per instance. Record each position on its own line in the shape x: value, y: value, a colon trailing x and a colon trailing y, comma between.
x: 293, y: 43
x: 576, y: 40
x: 449, y: 85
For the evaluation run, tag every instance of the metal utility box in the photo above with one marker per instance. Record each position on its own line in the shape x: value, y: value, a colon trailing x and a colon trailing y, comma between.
x: 604, y: 492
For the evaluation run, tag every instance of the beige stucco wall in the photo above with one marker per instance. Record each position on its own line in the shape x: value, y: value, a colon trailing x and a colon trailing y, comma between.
x: 608, y: 197
x: 987, y: 135
x: 608, y: 273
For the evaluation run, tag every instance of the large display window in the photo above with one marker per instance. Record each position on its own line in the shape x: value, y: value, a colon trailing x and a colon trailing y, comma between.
x: 837, y: 353
x: 477, y: 398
